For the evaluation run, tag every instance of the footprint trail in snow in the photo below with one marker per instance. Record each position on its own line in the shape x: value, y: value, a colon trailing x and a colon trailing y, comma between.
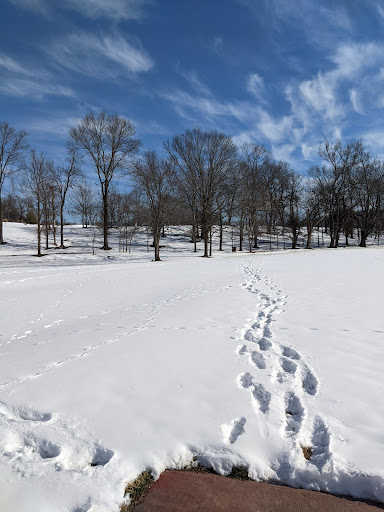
x: 279, y: 380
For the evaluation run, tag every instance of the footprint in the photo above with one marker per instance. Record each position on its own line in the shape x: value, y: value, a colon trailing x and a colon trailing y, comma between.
x: 241, y: 350
x: 245, y: 380
x: 310, y: 382
x: 249, y: 336
x: 233, y: 430
x: 31, y: 415
x: 101, y: 456
x: 258, y: 360
x: 291, y: 353
x: 262, y: 397
x: 294, y: 412
x: 44, y: 448
x: 264, y: 344
x: 288, y: 365
x: 321, y: 439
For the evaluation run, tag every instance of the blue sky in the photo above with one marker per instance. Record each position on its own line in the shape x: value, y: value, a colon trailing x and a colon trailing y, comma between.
x: 283, y: 73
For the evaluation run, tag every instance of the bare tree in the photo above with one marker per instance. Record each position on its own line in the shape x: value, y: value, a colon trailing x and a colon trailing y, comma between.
x: 82, y: 201
x: 312, y: 206
x: 293, y: 194
x: 35, y: 180
x: 202, y: 161
x: 12, y: 148
x: 64, y: 178
x: 253, y: 162
x: 153, y: 176
x: 335, y: 180
x: 108, y: 141
x: 369, y: 193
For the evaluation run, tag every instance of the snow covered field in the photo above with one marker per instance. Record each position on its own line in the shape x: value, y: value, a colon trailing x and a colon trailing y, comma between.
x: 110, y: 368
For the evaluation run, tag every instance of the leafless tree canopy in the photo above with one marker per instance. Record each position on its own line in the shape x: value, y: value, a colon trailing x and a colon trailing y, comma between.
x: 108, y: 142
x: 12, y: 148
x: 201, y: 179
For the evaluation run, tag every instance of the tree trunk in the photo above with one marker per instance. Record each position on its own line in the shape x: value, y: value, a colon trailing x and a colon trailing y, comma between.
x: 241, y: 233
x: 1, y: 221
x: 363, y: 239
x: 46, y: 232
x: 221, y: 234
x: 309, y: 235
x: 156, y: 243
x: 205, y: 235
x: 62, y: 226
x: 38, y: 227
x: 105, y: 221
x: 54, y: 221
x: 194, y: 237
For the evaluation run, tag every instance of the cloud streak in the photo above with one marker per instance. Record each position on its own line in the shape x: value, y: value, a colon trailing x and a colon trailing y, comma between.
x: 18, y: 80
x: 102, y: 56
x: 117, y: 10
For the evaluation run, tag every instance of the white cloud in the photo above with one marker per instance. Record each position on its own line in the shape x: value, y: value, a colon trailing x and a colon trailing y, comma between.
x: 12, y: 66
x: 195, y: 82
x: 12, y: 86
x: 255, y: 85
x: 118, y: 10
x: 17, y: 80
x: 380, y: 10
x: 351, y: 59
x: 283, y: 153
x: 100, y: 56
x: 58, y: 125
x: 355, y: 100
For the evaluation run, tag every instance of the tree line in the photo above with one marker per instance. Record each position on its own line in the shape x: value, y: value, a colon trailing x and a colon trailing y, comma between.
x: 201, y: 179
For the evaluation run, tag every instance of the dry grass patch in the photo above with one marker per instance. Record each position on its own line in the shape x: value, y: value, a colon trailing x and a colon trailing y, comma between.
x: 137, y: 490
x: 307, y: 452
x: 239, y: 473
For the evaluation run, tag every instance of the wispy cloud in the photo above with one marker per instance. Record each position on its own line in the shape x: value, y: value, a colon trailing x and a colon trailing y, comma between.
x: 194, y: 82
x: 355, y: 100
x: 12, y: 66
x: 218, y: 44
x: 18, y: 80
x: 103, y: 56
x: 316, y: 20
x: 319, y: 106
x: 33, y: 88
x: 118, y: 10
x: 255, y: 85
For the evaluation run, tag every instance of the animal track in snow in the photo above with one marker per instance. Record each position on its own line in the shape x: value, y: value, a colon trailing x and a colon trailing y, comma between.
x: 233, y: 430
x: 294, y: 412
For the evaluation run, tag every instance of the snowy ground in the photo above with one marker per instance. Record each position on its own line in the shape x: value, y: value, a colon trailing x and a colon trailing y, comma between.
x: 110, y: 368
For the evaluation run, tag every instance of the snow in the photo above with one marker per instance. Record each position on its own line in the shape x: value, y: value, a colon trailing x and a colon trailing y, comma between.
x: 112, y: 364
